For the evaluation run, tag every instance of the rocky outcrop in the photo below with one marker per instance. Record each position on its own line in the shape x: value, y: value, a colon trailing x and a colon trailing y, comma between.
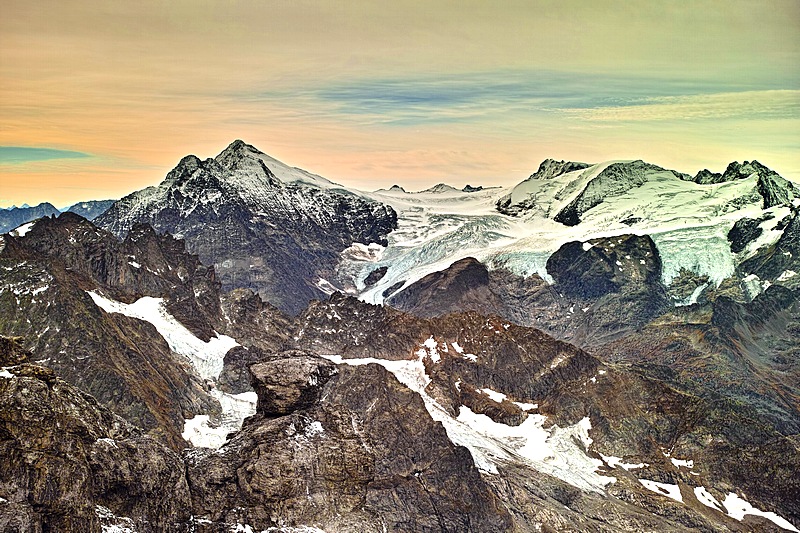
x: 743, y: 232
x: 607, y: 265
x: 68, y: 464
x: 289, y: 383
x: 260, y: 232
x: 362, y: 455
x: 773, y: 189
x: 468, y: 285
x: 375, y: 276
x: 777, y: 263
x: 734, y: 171
x: 464, y: 285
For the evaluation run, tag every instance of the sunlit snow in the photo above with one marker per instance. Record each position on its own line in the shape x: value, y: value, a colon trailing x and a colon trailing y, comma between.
x: 688, y: 222
x: 553, y: 451
x: 707, y: 499
x: 22, y: 230
x: 665, y: 489
x: 206, y: 357
x: 738, y: 508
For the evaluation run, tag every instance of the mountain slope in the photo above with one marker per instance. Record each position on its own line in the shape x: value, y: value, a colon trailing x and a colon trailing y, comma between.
x: 92, y: 209
x: 263, y: 225
x: 17, y: 216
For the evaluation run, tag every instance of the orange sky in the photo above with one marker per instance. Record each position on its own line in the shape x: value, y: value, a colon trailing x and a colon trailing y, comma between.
x: 112, y: 94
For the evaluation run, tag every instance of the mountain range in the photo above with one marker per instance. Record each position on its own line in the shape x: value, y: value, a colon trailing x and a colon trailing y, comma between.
x: 251, y: 347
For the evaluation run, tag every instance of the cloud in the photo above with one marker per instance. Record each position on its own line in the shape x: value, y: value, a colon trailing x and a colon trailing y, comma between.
x: 762, y: 105
x: 26, y: 154
x: 490, y: 96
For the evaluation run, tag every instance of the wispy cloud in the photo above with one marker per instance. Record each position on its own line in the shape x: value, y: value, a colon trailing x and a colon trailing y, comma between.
x: 488, y: 96
x: 762, y: 105
x: 27, y: 154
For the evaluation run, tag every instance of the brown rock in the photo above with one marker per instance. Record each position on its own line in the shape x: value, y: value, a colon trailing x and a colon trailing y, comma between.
x: 289, y: 383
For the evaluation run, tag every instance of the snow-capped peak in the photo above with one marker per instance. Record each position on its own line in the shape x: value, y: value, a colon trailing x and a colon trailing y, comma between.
x: 245, y: 160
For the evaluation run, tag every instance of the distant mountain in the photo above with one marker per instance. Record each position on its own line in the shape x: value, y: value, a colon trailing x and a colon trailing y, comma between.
x: 263, y: 225
x: 92, y: 209
x: 17, y: 216
x: 519, y: 228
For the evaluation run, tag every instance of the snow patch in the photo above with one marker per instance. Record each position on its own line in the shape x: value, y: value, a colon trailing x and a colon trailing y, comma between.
x: 494, y: 395
x: 4, y: 373
x: 430, y: 348
x: 206, y: 357
x: 687, y: 463
x: 737, y: 508
x: 787, y: 274
x: 665, y: 489
x: 22, y: 230
x: 707, y: 499
x: 615, y: 462
x: 203, y: 433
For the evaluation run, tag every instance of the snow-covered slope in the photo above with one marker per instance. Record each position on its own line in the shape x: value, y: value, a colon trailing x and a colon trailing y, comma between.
x: 518, y: 228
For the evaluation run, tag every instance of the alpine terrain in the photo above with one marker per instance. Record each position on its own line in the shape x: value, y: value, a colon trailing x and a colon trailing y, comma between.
x: 250, y: 347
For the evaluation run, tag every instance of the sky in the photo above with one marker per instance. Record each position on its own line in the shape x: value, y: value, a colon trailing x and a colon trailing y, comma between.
x: 98, y: 99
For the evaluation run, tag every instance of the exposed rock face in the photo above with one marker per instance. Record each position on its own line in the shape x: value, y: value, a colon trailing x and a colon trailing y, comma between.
x: 290, y: 383
x: 467, y: 285
x: 16, y: 216
x: 603, y: 287
x: 743, y: 232
x: 463, y: 285
x: 121, y: 361
x: 769, y: 185
x: 62, y: 457
x: 364, y: 455
x: 779, y: 261
x: 615, y: 179
x: 734, y: 171
x: 375, y: 276
x: 775, y: 190
x: 607, y: 265
x: 277, y: 237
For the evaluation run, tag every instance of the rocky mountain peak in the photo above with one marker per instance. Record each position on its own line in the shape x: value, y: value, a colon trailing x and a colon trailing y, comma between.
x: 550, y: 168
x: 734, y: 171
x: 236, y: 152
x: 441, y: 188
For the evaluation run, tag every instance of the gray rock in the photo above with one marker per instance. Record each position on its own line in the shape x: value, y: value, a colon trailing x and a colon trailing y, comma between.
x: 290, y: 383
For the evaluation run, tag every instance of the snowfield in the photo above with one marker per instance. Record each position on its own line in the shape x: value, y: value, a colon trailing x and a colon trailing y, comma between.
x: 688, y: 222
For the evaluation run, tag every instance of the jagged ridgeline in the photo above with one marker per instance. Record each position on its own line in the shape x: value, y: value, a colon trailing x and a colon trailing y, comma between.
x: 263, y: 225
x: 251, y: 347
